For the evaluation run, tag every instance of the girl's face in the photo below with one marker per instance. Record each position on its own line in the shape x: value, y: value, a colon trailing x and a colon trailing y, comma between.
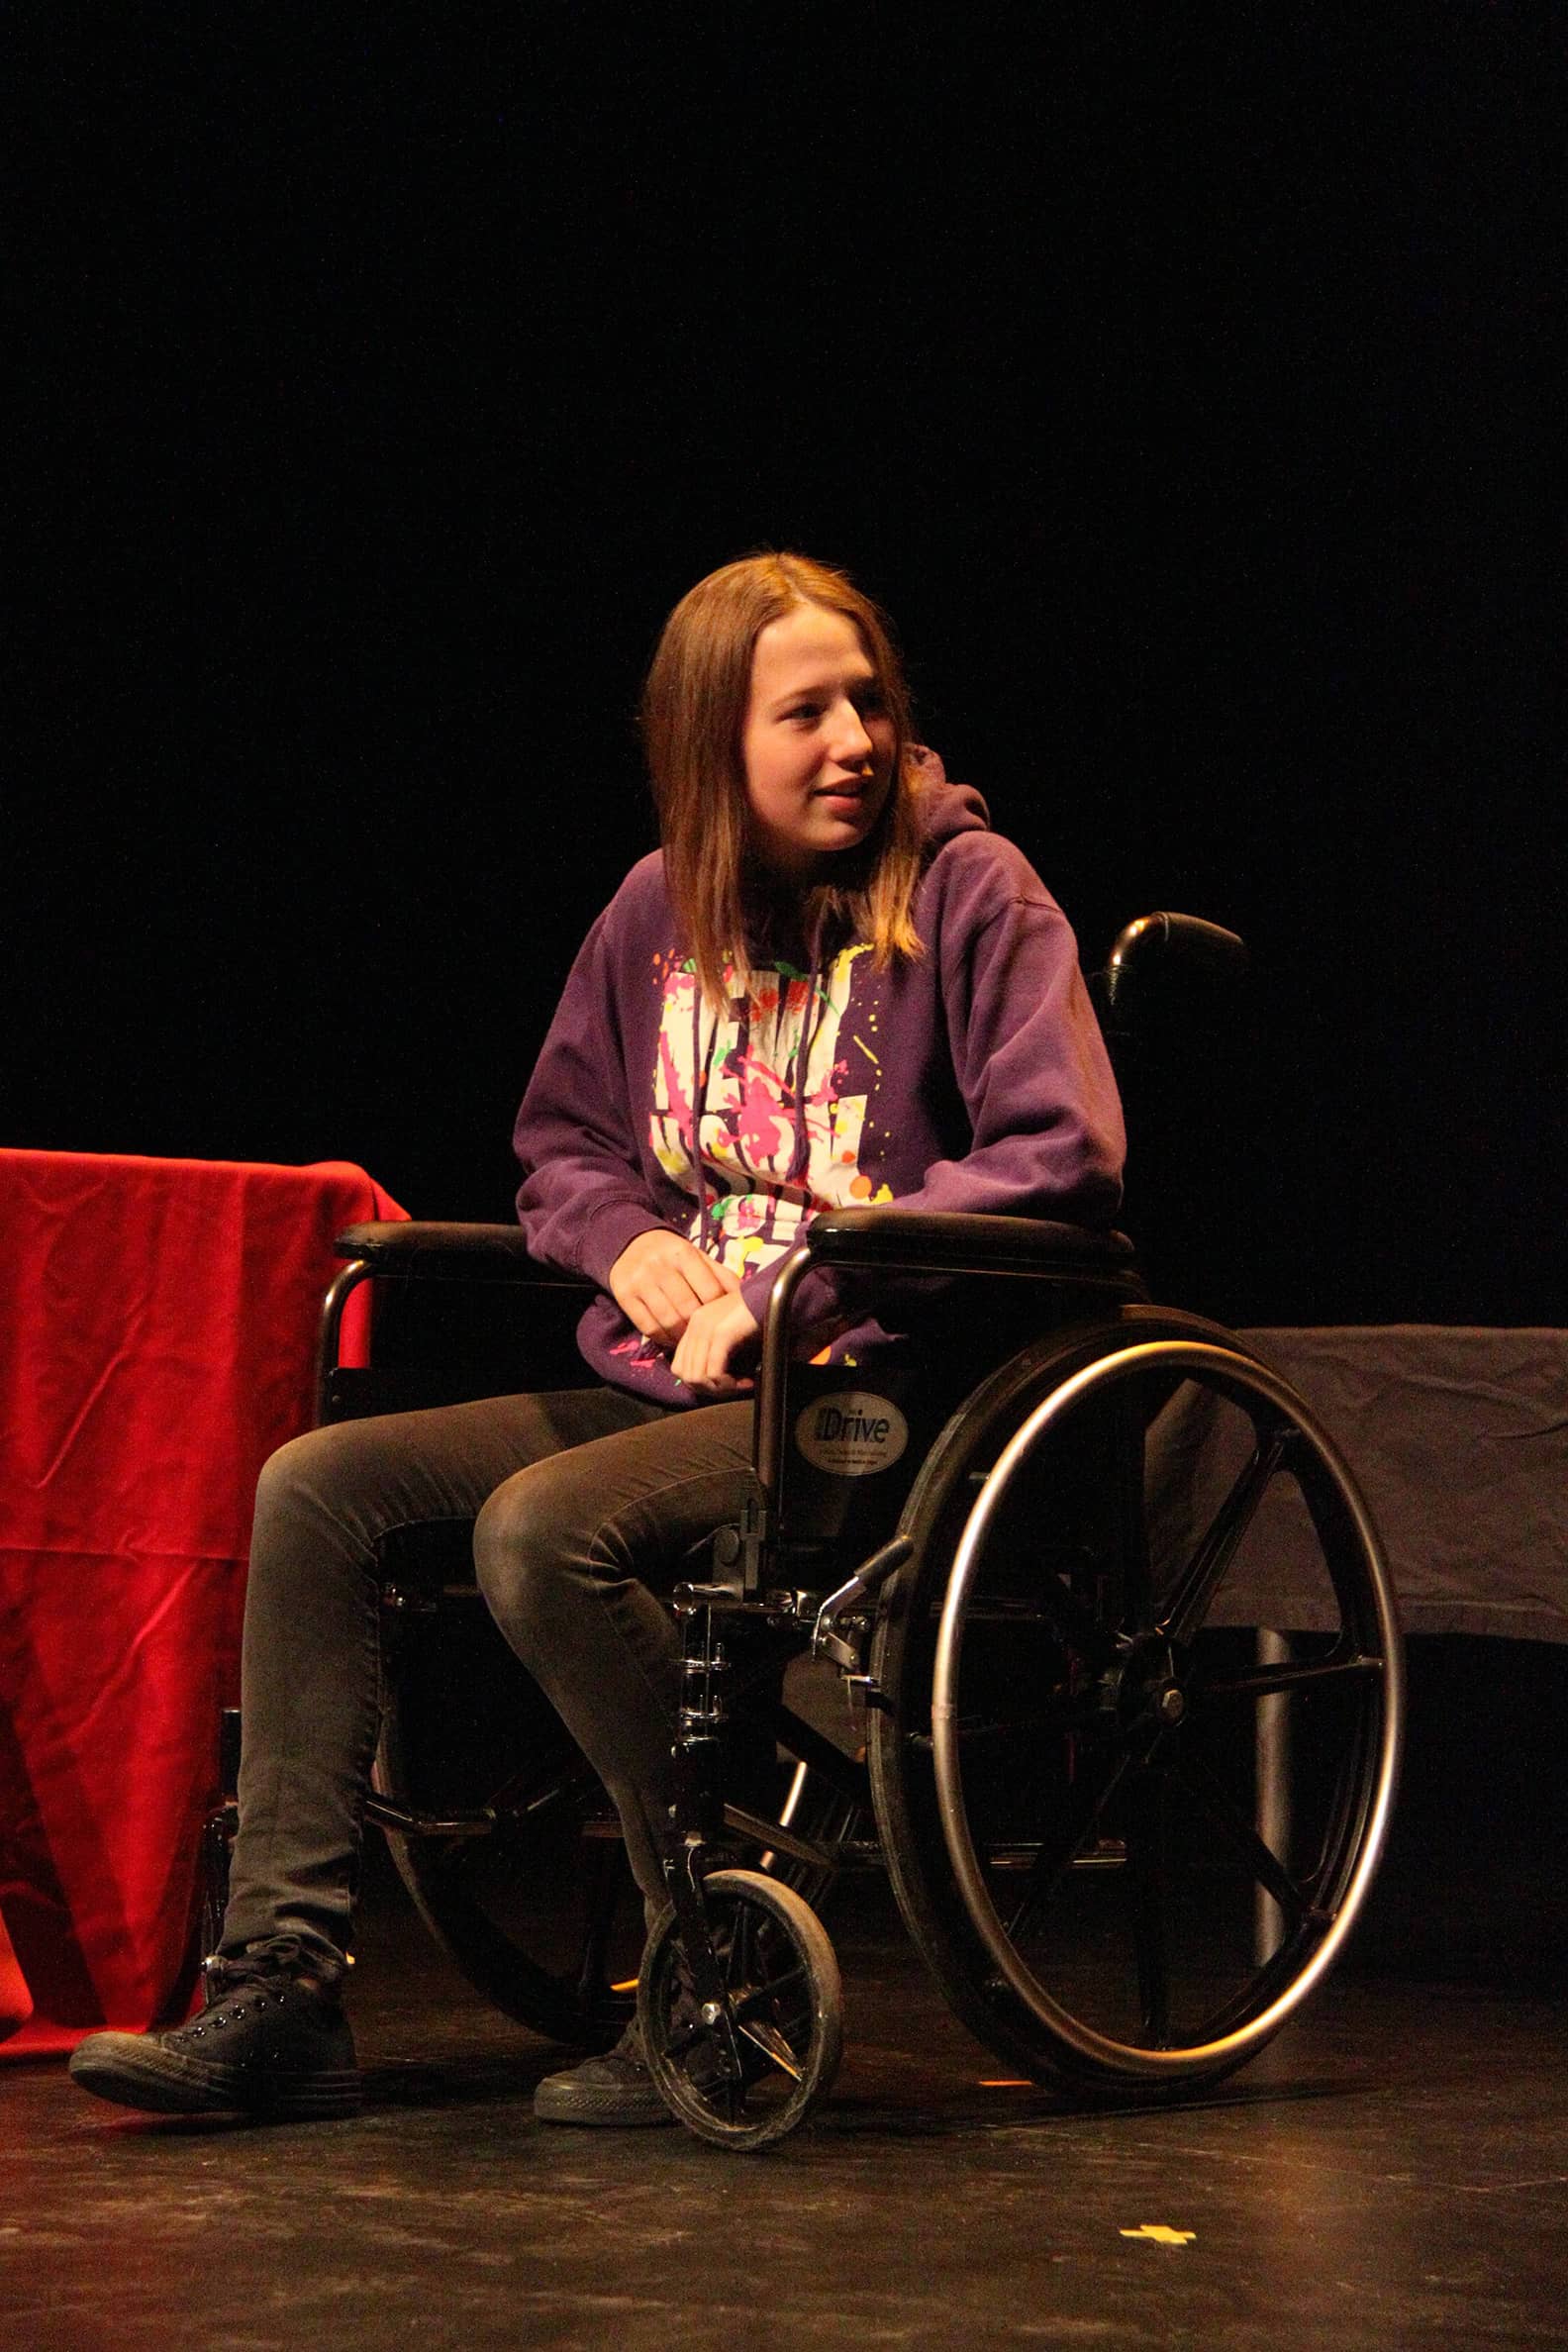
x: 818, y: 741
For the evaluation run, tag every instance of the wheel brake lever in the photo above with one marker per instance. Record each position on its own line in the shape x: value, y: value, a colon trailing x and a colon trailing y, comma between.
x: 866, y: 1580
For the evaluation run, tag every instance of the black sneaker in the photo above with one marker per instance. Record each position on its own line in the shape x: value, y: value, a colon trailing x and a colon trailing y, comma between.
x: 615, y: 2089
x: 269, y: 2042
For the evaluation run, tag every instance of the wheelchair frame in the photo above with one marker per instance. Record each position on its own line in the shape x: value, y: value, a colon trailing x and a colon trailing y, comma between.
x: 1122, y: 1678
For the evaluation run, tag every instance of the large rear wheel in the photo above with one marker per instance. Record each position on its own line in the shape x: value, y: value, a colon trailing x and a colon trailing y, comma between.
x: 527, y: 1887
x: 1144, y: 1690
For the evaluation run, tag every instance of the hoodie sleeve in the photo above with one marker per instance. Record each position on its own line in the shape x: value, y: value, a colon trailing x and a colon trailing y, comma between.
x: 584, y: 1193
x: 1046, y: 1135
x: 1037, y: 1094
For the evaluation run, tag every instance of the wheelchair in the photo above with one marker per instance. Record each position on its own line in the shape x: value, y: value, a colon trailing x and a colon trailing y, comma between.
x: 1017, y: 1646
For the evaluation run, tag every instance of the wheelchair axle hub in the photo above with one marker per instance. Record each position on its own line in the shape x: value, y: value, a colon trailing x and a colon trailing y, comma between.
x: 1149, y: 1686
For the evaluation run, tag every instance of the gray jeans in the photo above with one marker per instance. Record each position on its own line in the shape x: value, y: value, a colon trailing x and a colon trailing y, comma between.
x: 585, y: 1505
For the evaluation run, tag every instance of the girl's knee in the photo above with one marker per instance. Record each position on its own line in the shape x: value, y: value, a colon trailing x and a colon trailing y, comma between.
x: 511, y: 1557
x: 334, y: 1469
x: 298, y: 1469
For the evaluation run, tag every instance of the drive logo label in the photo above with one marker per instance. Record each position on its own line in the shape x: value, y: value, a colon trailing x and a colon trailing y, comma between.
x: 853, y: 1433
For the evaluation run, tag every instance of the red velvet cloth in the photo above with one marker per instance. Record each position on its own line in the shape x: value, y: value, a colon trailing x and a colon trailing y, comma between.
x: 157, y: 1324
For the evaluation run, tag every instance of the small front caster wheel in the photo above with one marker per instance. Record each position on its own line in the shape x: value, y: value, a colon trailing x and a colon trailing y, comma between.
x: 781, y: 1981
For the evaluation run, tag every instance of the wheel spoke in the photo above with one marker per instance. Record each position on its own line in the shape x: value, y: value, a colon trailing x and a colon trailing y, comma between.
x: 1087, y: 1802
x: 1261, y: 1860
x: 1189, y: 1603
x: 1075, y: 1710
x: 1146, y: 1836
x: 749, y: 1997
x: 1261, y: 1681
x: 769, y: 2041
x: 1129, y: 1502
x: 738, y: 1969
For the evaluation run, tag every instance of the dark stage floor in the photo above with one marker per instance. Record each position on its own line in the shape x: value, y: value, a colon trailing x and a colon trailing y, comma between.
x: 1391, y: 2173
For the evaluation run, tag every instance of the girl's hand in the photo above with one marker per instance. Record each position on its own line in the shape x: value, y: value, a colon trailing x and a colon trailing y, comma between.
x: 716, y: 1333
x: 660, y: 1280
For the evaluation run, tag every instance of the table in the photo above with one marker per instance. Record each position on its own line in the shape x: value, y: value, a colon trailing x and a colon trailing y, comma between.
x: 157, y: 1324
x: 1457, y: 1439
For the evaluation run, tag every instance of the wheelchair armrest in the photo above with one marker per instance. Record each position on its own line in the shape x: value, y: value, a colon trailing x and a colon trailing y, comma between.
x: 418, y: 1250
x: 923, y: 1241
x: 946, y: 1242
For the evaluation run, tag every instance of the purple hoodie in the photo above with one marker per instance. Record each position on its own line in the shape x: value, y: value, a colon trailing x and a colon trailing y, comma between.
x: 972, y: 1077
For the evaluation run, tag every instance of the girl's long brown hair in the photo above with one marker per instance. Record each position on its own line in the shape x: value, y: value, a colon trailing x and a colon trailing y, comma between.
x: 694, y: 706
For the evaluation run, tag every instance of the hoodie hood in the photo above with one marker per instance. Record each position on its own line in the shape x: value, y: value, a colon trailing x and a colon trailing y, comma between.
x: 946, y: 808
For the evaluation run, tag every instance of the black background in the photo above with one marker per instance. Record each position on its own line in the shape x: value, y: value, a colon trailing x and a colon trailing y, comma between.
x: 1186, y: 385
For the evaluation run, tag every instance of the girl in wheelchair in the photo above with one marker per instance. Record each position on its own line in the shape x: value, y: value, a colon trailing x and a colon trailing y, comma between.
x: 833, y: 984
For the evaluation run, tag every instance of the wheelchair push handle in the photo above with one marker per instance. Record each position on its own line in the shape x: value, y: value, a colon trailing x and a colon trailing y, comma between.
x: 1197, y: 943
